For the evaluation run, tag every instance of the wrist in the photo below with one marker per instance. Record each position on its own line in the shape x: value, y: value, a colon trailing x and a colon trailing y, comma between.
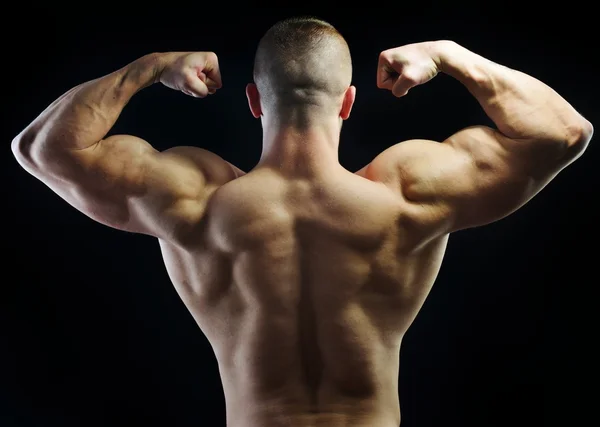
x: 159, y: 61
x: 460, y: 63
x: 145, y: 70
x: 442, y: 52
x: 154, y: 63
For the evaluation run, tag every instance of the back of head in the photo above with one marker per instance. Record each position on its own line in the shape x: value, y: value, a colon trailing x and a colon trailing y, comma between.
x: 301, y: 61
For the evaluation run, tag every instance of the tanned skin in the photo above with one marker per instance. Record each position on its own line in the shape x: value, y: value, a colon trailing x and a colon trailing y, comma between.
x: 303, y: 275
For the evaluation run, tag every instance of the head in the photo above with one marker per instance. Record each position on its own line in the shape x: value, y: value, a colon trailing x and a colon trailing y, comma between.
x: 302, y: 74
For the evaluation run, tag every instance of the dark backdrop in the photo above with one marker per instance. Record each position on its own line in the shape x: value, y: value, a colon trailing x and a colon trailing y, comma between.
x: 92, y: 332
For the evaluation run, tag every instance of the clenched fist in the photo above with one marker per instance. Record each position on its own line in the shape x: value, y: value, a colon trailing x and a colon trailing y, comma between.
x: 193, y: 73
x: 402, y: 68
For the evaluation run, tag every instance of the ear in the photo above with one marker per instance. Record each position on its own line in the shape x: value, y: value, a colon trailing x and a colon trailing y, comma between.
x: 253, y: 100
x: 349, y: 97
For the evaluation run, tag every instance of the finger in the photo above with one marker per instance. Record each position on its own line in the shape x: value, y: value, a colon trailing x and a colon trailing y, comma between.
x: 212, y: 88
x: 386, y: 75
x: 212, y: 71
x: 401, y: 87
x: 195, y: 87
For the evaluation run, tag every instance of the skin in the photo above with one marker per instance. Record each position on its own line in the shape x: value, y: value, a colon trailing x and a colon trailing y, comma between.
x: 303, y: 275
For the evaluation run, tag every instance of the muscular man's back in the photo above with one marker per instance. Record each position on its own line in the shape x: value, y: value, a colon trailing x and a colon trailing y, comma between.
x: 304, y: 276
x: 305, y: 289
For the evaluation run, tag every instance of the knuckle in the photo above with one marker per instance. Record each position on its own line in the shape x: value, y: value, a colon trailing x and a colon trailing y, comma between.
x: 212, y: 56
x: 384, y: 56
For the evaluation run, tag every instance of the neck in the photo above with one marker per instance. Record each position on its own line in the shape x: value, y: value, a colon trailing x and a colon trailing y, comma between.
x: 301, y: 147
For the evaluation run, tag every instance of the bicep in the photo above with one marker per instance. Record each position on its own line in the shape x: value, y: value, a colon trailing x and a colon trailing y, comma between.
x: 126, y: 184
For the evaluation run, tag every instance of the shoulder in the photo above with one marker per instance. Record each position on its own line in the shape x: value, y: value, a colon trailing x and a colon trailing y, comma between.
x: 215, y: 169
x: 391, y: 165
x: 409, y: 169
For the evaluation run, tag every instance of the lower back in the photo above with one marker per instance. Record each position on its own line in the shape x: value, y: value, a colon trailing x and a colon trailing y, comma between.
x: 356, y: 415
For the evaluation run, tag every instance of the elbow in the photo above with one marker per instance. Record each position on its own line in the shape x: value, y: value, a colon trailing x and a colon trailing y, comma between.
x: 18, y: 148
x: 579, y: 136
x: 587, y: 131
x: 21, y: 148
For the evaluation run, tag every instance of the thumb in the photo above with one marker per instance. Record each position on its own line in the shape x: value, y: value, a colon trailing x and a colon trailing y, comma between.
x: 401, y: 87
x: 194, y: 86
x: 210, y: 84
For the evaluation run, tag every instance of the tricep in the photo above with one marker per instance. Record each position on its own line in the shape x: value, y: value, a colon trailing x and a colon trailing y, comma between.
x: 122, y: 182
x: 503, y: 173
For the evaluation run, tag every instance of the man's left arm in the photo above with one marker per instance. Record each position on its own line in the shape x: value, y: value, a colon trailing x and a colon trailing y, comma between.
x: 121, y: 181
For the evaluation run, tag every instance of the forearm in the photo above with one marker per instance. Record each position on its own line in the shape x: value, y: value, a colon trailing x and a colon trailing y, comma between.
x: 85, y: 114
x: 521, y: 106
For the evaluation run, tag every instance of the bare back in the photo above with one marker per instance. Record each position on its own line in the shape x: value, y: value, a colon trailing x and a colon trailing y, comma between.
x: 305, y: 290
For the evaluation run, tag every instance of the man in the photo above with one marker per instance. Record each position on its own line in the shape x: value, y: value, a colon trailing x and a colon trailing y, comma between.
x: 304, y: 276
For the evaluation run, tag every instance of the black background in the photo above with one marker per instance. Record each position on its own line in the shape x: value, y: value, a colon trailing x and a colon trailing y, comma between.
x: 93, y: 334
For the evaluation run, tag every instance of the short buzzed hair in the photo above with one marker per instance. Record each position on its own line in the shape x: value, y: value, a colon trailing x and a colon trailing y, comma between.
x: 301, y: 59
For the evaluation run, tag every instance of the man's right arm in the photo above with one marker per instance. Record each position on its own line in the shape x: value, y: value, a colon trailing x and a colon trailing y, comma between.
x: 479, y: 174
x: 120, y: 180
